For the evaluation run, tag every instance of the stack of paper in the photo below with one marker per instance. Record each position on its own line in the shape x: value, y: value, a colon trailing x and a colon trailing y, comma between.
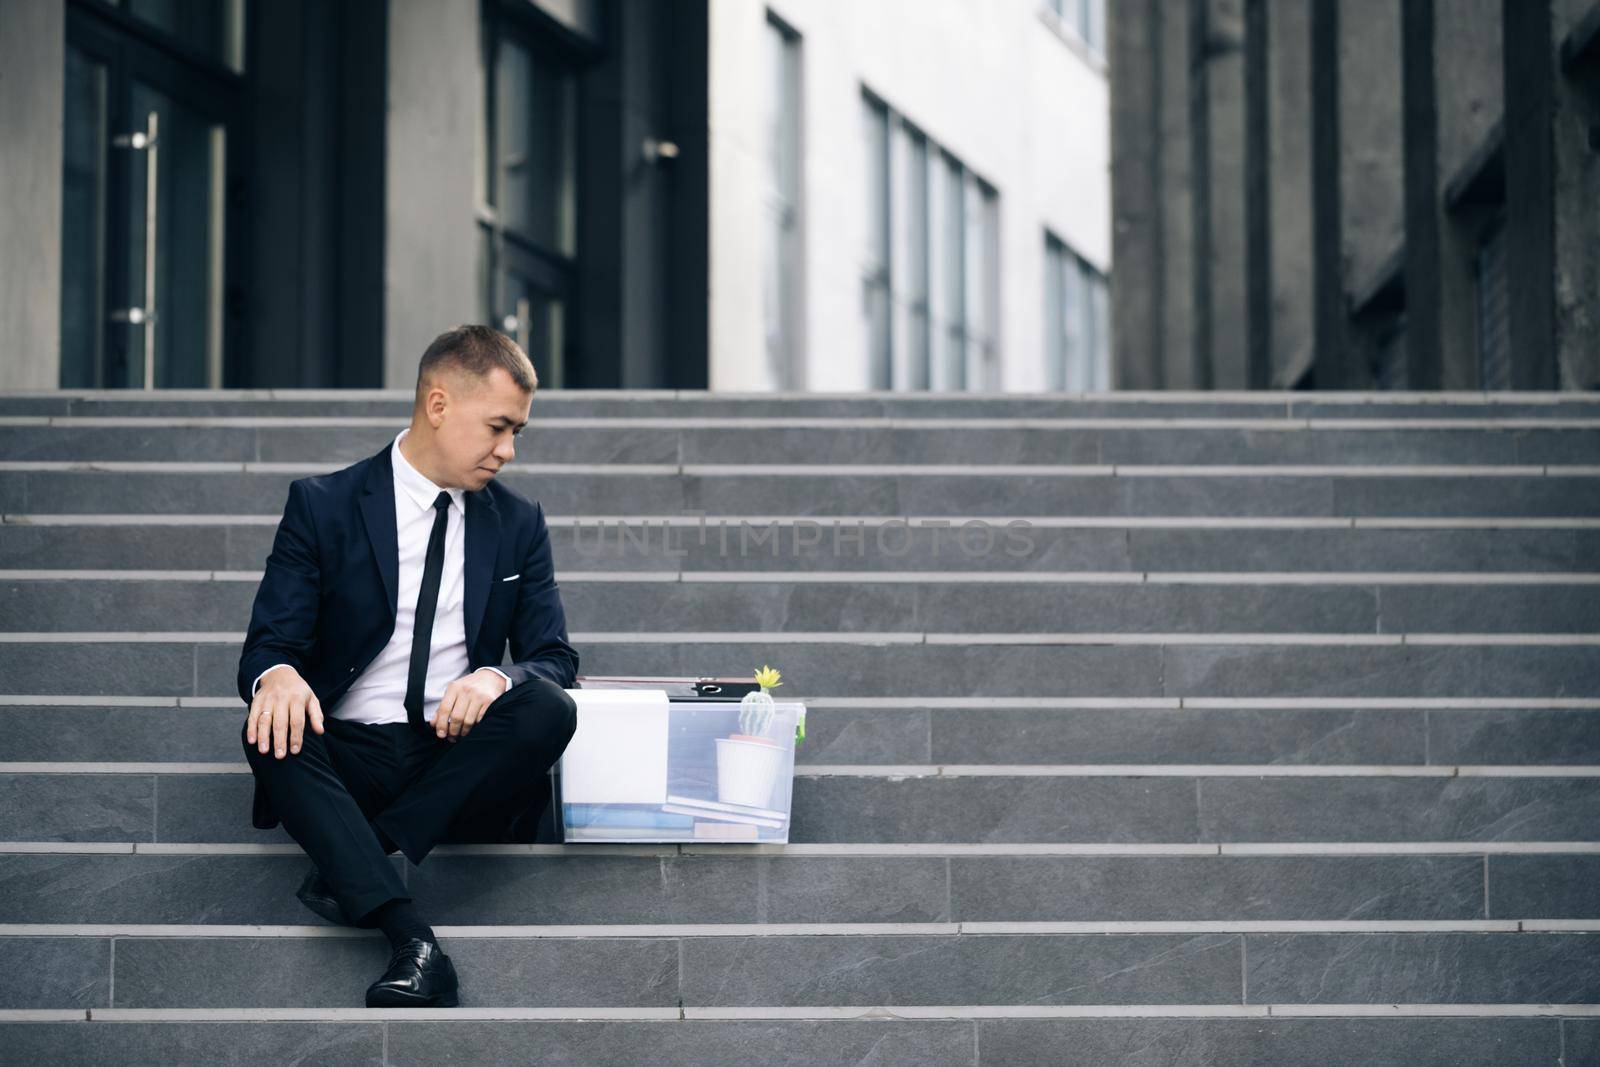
x: 618, y: 754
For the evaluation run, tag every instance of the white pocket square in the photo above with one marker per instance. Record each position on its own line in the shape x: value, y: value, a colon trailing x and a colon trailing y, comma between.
x: 511, y: 576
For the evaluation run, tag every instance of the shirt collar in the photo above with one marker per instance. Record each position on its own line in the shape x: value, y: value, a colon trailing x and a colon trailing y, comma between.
x: 418, y: 486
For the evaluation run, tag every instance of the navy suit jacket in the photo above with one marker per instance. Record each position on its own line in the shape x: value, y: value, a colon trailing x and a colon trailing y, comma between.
x: 326, y: 604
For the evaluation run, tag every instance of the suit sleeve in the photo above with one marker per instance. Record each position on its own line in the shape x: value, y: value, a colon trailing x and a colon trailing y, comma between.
x: 283, y: 620
x: 539, y: 630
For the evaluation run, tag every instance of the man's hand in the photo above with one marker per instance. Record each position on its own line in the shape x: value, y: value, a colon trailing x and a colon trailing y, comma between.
x: 278, y: 713
x: 465, y: 701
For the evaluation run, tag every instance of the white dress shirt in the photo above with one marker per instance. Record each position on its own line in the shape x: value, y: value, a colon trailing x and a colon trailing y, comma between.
x: 378, y: 694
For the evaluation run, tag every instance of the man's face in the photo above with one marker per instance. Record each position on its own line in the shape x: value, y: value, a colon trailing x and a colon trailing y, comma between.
x: 475, y: 424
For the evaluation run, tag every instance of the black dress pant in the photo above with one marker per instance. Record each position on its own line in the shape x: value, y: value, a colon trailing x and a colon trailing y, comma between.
x: 418, y: 789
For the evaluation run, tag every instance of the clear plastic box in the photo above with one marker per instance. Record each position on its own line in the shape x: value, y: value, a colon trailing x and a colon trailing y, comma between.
x: 718, y: 788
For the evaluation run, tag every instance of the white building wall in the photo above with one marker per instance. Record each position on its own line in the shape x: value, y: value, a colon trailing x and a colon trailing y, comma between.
x: 990, y: 81
x: 33, y: 55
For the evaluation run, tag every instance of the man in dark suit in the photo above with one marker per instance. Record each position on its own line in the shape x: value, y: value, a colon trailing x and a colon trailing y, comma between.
x: 380, y: 623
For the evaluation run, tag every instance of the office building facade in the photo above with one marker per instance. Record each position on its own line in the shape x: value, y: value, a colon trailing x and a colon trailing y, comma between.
x: 645, y: 193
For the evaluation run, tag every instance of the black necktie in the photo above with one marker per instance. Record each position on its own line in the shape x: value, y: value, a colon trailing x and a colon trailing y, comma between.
x: 422, y: 630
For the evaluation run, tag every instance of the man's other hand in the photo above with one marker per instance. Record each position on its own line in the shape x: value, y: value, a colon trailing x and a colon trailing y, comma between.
x: 465, y: 701
x: 278, y: 713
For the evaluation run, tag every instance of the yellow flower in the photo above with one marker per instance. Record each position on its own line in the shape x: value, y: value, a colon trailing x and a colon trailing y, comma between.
x: 767, y: 678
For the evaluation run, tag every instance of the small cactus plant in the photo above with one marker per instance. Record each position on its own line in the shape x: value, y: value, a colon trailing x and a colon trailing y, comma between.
x: 756, y: 709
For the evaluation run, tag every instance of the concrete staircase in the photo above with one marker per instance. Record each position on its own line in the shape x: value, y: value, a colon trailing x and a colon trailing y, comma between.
x: 1145, y: 729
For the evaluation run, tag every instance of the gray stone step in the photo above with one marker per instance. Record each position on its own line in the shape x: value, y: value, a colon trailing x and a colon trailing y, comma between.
x: 1366, y: 790
x: 397, y: 403
x: 998, y: 1038
x: 826, y: 970
x: 1006, y: 492
x: 912, y: 664
x: 457, y: 887
x: 861, y: 604
x: 1161, y: 805
x: 842, y: 441
x: 90, y: 542
x: 38, y: 733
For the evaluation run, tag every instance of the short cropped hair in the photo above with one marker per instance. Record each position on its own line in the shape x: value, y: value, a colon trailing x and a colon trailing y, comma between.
x: 476, y: 351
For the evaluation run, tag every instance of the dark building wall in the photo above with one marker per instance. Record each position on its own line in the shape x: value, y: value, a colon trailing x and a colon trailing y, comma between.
x: 1370, y: 170
x: 1135, y: 46
x: 1355, y: 125
x: 1529, y: 184
x: 1217, y: 136
x: 1180, y: 357
x: 1288, y: 216
x: 1575, y: 179
x: 1466, y: 54
x: 1152, y: 198
x: 1371, y: 186
x: 311, y: 290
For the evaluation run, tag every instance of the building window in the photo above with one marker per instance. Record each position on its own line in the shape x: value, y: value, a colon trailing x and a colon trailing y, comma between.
x: 1494, y: 333
x: 781, y: 274
x: 1077, y: 328
x: 1085, y: 19
x: 930, y: 278
x: 914, y: 253
x: 527, y: 193
x: 876, y: 282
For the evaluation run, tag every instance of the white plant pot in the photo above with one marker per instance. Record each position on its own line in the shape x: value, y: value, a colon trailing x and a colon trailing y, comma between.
x: 747, y: 771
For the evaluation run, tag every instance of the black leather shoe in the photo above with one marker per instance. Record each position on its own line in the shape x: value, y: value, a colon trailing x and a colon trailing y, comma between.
x: 316, y: 894
x: 420, y: 975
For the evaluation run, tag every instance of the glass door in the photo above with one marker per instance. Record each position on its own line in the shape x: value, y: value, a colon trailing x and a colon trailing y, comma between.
x: 149, y: 130
x: 527, y: 194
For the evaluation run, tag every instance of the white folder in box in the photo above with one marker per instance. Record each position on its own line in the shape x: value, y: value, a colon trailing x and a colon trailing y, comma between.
x: 618, y: 754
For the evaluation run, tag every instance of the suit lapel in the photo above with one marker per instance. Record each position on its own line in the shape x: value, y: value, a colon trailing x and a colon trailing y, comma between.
x: 377, y: 511
x: 481, y: 549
